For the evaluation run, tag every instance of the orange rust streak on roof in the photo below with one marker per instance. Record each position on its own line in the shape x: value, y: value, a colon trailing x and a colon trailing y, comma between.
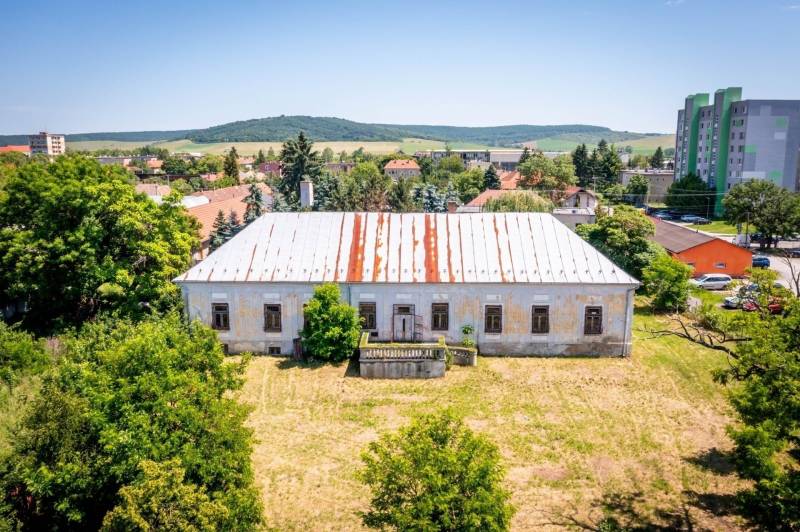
x: 249, y: 266
x: 376, y: 264
x: 339, y: 250
x: 431, y: 259
x: 356, y: 252
x: 499, y: 251
x: 449, y: 254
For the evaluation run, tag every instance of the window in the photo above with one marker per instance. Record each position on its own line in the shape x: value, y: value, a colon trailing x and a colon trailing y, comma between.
x: 273, y: 350
x: 440, y: 316
x: 494, y: 319
x: 272, y: 318
x: 720, y: 265
x: 741, y: 135
x: 540, y: 319
x: 368, y: 314
x: 220, y: 317
x: 593, y: 320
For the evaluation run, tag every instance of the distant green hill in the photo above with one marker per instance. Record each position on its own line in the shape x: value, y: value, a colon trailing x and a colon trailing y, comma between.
x: 280, y: 128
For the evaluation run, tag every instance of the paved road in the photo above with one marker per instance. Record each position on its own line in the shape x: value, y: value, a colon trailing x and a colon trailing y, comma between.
x: 780, y: 265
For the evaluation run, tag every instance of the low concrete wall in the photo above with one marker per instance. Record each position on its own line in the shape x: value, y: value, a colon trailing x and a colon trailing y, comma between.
x: 402, y: 369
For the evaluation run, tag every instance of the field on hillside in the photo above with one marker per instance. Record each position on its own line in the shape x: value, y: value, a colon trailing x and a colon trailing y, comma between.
x: 408, y: 146
x: 641, y: 439
x: 645, y: 146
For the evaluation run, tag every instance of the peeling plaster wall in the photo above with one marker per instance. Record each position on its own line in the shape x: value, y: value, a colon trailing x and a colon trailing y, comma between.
x: 466, y: 305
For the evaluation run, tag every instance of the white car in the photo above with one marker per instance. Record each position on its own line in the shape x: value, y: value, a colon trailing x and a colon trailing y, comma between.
x: 712, y: 281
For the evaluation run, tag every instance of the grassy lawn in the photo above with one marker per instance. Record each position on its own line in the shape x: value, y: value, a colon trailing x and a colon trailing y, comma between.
x: 640, y: 438
x: 644, y: 146
x: 720, y: 227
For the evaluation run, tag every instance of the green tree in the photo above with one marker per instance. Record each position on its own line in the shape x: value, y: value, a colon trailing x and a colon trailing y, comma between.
x: 327, y: 155
x: 329, y: 194
x: 772, y: 210
x: 300, y: 162
x: 260, y: 158
x: 80, y: 231
x: 666, y: 280
x: 234, y: 224
x: 332, y: 328
x: 519, y: 201
x: 175, y: 166
x: 523, y: 158
x: 429, y: 198
x: 162, y: 500
x: 491, y: 179
x: 615, y: 193
x: 690, y: 194
x: 122, y: 394
x: 366, y: 187
x: 550, y: 175
x: 231, y: 164
x: 219, y: 232
x: 610, y: 166
x: 580, y: 160
x: 624, y: 238
x: 271, y: 154
x: 401, y: 197
x: 436, y: 474
x: 20, y: 354
x: 637, y: 189
x: 255, y: 203
x: 451, y: 164
x: 657, y: 160
x: 468, y: 184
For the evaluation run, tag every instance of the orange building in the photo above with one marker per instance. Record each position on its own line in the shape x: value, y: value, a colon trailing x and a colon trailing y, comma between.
x: 705, y: 253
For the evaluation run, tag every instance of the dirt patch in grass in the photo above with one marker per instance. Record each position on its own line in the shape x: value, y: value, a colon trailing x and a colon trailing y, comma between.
x: 642, y: 439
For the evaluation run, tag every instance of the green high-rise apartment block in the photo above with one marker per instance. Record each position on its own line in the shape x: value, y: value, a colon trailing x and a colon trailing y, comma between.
x: 732, y: 140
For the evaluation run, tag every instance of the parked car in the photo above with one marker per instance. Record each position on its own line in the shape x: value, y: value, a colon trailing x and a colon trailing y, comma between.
x: 775, y: 305
x: 760, y: 261
x: 694, y: 219
x: 662, y: 215
x: 794, y: 253
x: 747, y: 292
x: 712, y: 281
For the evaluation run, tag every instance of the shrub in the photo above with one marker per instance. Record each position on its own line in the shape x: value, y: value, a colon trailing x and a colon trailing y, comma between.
x: 331, y: 328
x: 435, y: 474
x: 667, y: 281
x: 20, y: 353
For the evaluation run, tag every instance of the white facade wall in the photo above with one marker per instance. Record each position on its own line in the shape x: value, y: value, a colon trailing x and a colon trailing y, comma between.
x: 467, y: 301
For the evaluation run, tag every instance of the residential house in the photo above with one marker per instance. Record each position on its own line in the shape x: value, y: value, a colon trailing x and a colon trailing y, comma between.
x: 401, y: 169
x: 344, y: 167
x: 703, y: 252
x: 154, y: 191
x: 271, y: 168
x: 525, y: 282
x: 658, y: 182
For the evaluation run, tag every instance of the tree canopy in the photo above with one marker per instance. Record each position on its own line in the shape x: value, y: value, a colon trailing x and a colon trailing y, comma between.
x: 331, y: 328
x: 300, y: 162
x: 624, y: 238
x: 771, y: 209
x: 518, y: 201
x: 690, y: 194
x: 124, y: 394
x: 436, y: 474
x: 76, y: 238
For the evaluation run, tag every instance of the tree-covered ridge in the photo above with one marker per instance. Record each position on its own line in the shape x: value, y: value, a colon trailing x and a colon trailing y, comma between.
x: 280, y: 128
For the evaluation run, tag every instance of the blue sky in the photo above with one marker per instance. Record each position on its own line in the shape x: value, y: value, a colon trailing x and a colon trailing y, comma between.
x: 117, y: 66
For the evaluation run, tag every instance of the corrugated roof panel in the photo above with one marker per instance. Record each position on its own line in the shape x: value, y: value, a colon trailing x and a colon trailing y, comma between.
x: 468, y: 251
x: 406, y: 248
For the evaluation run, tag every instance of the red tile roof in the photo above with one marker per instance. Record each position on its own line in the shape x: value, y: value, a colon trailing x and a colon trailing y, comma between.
x: 481, y: 199
x: 153, y: 189
x: 206, y: 213
x: 401, y: 164
x: 231, y: 192
x: 508, y: 180
x: 24, y: 148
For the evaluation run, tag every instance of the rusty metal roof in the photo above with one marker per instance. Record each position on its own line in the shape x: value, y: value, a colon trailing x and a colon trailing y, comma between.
x: 407, y: 248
